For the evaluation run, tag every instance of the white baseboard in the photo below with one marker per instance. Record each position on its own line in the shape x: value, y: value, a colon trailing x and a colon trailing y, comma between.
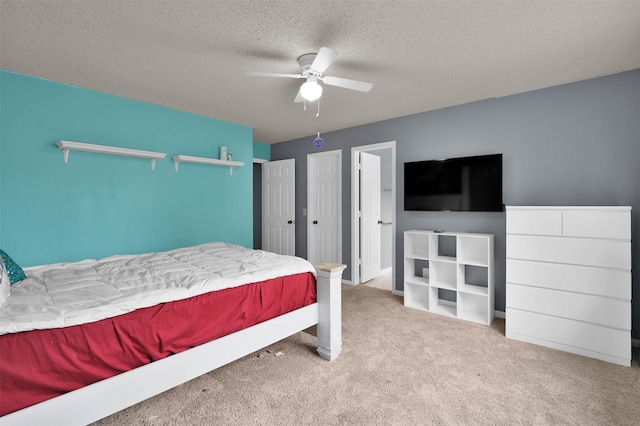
x: 498, y: 314
x: 347, y: 282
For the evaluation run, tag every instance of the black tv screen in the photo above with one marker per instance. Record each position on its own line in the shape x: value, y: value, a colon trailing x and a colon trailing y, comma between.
x: 455, y: 184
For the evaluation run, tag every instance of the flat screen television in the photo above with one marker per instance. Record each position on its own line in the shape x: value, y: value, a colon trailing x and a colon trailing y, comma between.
x: 454, y: 184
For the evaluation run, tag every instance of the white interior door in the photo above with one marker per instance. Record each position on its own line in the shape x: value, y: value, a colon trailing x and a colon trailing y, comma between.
x: 278, y: 207
x: 324, y: 207
x: 355, y: 210
x: 370, y: 218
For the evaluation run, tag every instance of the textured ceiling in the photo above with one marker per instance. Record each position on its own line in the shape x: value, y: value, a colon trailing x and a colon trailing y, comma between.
x: 419, y: 55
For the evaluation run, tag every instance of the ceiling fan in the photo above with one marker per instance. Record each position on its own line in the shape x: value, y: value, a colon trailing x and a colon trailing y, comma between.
x: 312, y: 66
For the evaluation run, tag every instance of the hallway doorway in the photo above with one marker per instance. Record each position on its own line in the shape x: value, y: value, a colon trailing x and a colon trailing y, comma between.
x: 386, y: 247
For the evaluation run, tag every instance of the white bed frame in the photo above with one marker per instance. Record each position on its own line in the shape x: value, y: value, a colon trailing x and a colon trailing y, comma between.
x: 101, y: 399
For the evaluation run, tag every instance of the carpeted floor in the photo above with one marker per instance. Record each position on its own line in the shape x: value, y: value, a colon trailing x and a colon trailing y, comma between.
x: 401, y: 366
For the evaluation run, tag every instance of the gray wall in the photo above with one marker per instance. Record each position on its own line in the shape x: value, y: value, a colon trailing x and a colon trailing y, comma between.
x: 575, y: 144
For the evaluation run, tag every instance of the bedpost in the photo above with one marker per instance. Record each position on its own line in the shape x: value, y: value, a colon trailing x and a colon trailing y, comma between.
x: 329, y: 292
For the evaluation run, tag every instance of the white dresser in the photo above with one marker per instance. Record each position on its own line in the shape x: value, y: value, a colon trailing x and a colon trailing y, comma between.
x: 569, y: 279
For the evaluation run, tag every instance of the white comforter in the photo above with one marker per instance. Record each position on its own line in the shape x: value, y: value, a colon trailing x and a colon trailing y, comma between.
x: 65, y: 294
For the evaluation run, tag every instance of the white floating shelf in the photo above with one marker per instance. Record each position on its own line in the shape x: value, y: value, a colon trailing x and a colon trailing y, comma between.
x: 67, y: 146
x: 177, y: 159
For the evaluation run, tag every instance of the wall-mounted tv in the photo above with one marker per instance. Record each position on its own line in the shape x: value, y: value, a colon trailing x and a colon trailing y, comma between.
x: 455, y: 184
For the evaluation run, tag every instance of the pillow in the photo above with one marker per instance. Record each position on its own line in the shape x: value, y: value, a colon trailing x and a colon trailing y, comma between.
x: 14, y: 270
x: 4, y: 283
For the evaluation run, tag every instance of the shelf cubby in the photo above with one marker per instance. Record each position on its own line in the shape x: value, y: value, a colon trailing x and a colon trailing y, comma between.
x: 418, y: 296
x: 420, y: 267
x: 473, y: 279
x: 444, y: 274
x: 473, y: 307
x: 417, y: 248
x: 473, y: 250
x: 450, y: 274
x: 439, y: 304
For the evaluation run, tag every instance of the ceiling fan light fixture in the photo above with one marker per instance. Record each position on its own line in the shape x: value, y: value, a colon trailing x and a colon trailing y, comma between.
x: 311, y: 90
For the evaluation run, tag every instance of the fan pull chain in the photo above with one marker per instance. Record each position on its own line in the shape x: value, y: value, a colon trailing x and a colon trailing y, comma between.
x: 318, y: 141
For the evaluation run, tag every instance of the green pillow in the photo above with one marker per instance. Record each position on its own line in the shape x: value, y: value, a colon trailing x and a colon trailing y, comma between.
x: 13, y: 269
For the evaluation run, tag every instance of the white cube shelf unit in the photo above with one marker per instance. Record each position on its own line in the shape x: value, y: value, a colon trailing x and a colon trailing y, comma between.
x: 450, y: 273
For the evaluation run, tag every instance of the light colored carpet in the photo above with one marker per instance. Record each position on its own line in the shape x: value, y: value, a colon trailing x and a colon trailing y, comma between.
x: 401, y: 366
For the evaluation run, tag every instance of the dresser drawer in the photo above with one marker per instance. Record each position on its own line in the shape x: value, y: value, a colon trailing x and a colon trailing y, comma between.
x: 607, y: 282
x: 534, y: 222
x: 614, y: 224
x: 605, y: 311
x: 570, y: 335
x: 575, y: 251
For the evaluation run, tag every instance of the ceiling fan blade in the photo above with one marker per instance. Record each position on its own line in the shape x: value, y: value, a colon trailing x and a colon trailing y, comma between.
x: 298, y: 98
x: 360, y: 86
x: 273, y: 74
x: 323, y: 59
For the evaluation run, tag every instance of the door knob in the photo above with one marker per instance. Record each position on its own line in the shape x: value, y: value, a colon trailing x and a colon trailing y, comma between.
x: 290, y: 222
x: 315, y: 222
x: 379, y: 222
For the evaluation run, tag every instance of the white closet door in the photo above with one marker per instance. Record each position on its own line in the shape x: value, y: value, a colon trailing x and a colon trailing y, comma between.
x: 278, y: 207
x: 324, y: 233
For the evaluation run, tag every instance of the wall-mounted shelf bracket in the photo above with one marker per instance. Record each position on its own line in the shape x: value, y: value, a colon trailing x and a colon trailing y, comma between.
x: 177, y: 159
x: 67, y: 146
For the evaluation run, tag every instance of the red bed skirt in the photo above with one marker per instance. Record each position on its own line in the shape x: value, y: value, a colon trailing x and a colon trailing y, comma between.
x: 42, y: 364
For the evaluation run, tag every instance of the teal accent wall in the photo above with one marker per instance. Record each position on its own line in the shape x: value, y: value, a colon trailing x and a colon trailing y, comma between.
x: 98, y: 205
x: 261, y: 150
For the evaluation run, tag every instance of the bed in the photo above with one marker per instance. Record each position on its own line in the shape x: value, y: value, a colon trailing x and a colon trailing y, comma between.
x: 96, y: 336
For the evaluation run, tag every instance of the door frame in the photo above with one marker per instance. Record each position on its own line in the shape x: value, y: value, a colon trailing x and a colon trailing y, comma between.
x: 355, y: 197
x: 257, y: 207
x: 310, y: 183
